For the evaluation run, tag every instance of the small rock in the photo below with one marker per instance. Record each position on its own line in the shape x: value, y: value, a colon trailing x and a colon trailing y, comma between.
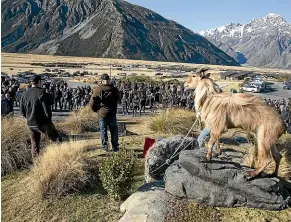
x: 148, y: 204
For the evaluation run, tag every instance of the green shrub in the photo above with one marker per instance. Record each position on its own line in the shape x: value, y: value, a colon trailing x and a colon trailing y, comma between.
x: 117, y: 173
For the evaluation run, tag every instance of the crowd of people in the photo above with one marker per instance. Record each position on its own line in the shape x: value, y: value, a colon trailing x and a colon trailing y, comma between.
x: 282, y: 106
x: 135, y: 97
x: 62, y: 97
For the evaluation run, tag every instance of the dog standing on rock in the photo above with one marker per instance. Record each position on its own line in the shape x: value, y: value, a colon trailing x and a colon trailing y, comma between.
x: 223, y: 111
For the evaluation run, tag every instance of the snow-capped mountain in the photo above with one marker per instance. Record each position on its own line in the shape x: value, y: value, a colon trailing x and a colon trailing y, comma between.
x: 263, y: 41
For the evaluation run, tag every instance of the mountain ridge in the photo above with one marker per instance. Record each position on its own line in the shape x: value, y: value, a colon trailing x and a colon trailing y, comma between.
x: 102, y: 28
x: 264, y: 42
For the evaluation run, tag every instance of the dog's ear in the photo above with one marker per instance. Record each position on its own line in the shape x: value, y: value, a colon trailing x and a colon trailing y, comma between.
x: 207, y: 75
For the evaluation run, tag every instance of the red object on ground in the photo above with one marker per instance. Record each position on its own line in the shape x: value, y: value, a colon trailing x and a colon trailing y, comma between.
x: 148, y: 143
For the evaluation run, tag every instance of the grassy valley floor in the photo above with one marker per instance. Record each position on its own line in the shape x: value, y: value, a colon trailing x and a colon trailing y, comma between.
x: 93, y: 204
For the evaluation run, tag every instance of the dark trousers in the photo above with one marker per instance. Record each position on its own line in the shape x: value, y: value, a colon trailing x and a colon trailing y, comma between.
x: 58, y: 101
x: 110, y: 122
x: 124, y: 109
x: 67, y: 104
x: 35, y: 135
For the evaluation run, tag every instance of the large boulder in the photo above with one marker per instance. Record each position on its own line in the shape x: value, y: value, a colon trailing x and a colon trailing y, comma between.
x: 223, y: 184
x: 162, y: 152
x: 147, y: 204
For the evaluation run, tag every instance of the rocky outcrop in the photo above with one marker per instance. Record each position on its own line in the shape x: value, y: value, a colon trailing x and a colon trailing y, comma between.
x: 223, y: 184
x: 162, y: 152
x: 101, y: 28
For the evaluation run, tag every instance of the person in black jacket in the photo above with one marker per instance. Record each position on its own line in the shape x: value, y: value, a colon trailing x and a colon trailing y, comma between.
x: 35, y: 107
x: 10, y: 102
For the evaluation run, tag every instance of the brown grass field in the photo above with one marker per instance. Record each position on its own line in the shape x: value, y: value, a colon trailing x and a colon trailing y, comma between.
x: 21, y: 62
x: 63, y: 166
x: 66, y: 166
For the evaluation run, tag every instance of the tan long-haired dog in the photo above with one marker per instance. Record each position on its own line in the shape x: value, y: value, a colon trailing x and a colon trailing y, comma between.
x: 223, y: 111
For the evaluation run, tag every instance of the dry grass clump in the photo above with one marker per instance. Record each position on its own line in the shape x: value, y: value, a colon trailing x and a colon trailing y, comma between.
x: 284, y: 147
x: 173, y: 121
x: 60, y: 170
x: 15, y: 144
x: 80, y: 121
x: 15, y: 150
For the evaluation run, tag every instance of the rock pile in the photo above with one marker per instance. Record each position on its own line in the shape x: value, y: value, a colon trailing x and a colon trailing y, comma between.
x: 222, y: 182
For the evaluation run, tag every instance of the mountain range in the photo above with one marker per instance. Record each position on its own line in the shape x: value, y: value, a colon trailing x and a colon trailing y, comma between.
x: 263, y: 42
x: 101, y: 28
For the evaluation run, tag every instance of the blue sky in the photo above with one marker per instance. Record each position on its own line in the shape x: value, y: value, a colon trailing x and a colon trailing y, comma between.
x: 206, y: 14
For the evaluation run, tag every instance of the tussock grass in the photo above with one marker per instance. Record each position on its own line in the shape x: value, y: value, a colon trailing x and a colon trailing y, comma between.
x: 60, y: 170
x: 80, y: 121
x: 173, y: 121
x: 15, y: 144
x: 284, y: 147
x: 15, y: 149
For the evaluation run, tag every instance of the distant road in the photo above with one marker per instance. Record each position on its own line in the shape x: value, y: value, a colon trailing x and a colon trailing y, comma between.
x: 276, y: 91
x: 75, y: 84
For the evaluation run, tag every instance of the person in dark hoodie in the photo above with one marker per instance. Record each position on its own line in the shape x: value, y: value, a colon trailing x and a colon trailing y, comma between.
x: 35, y: 107
x: 104, y: 100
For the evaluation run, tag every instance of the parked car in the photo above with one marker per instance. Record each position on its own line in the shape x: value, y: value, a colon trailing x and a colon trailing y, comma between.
x: 258, y: 80
x: 67, y: 74
x: 287, y: 87
x: 261, y: 86
x: 249, y: 88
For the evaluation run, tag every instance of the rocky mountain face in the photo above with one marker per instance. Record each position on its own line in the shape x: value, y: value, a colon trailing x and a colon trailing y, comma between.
x: 101, y: 28
x: 263, y: 42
